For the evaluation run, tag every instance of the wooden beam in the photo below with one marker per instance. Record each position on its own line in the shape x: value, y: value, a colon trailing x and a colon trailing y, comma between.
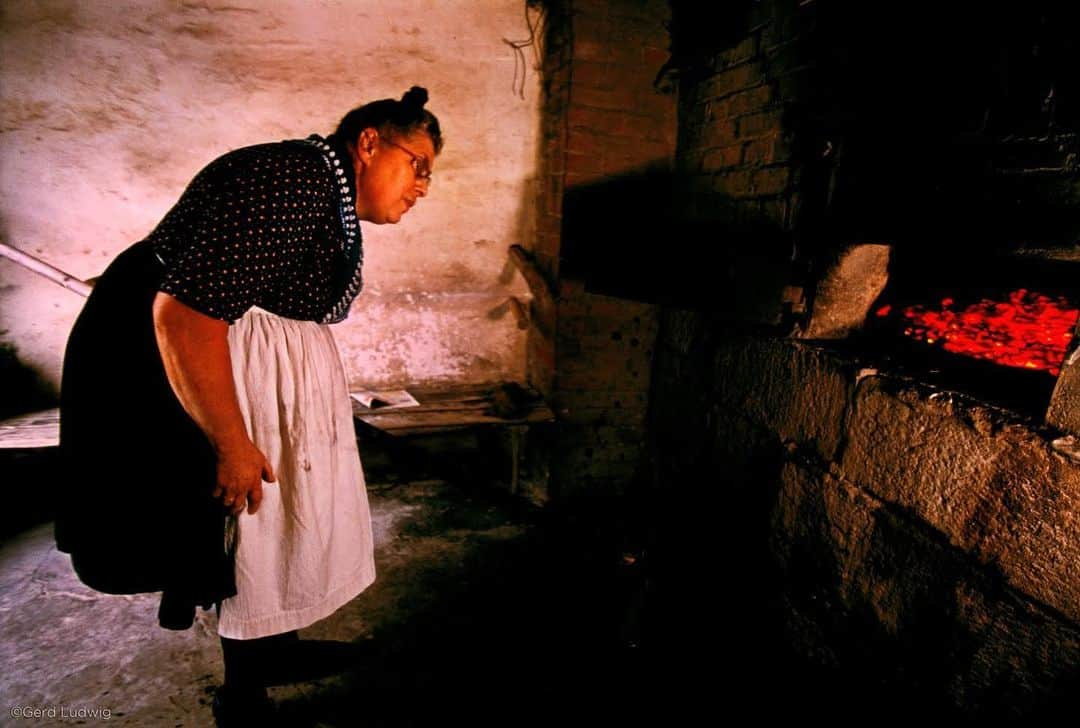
x: 520, y: 314
x: 37, y: 429
x: 541, y: 291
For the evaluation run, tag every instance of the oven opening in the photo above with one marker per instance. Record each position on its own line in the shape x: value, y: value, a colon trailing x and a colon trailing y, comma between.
x: 998, y: 329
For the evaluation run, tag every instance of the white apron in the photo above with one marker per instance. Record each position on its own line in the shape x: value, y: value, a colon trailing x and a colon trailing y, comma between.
x: 308, y: 549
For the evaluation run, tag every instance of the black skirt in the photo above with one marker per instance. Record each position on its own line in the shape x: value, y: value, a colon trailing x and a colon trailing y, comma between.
x: 135, y: 507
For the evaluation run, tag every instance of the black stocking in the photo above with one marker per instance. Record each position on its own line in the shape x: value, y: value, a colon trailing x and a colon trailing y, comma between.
x: 284, y: 658
x: 249, y: 663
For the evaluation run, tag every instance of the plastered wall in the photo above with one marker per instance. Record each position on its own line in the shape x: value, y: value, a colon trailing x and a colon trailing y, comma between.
x: 109, y: 109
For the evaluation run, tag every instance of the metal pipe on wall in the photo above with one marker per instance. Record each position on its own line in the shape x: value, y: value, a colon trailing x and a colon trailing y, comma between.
x: 40, y: 267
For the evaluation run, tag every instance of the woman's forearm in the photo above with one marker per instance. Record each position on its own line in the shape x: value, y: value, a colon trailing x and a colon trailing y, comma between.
x: 195, y: 351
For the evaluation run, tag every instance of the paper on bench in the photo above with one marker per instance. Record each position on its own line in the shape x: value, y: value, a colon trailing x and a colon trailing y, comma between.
x: 385, y: 399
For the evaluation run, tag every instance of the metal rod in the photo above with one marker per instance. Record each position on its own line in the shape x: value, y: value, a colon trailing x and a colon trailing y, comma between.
x: 40, y: 267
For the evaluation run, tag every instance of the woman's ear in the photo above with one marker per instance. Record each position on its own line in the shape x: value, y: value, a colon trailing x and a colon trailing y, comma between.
x: 366, y: 143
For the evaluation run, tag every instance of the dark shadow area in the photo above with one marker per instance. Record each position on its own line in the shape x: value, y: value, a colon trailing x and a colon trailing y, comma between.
x: 933, y: 127
x: 29, y: 477
x: 641, y: 610
x: 759, y: 565
x: 22, y: 388
x: 666, y: 238
x: 534, y: 632
x: 945, y: 126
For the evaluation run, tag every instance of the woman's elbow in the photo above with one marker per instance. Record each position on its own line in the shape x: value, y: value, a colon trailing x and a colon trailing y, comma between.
x: 172, y: 316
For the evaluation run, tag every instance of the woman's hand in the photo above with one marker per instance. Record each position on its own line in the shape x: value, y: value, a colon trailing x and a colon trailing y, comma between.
x: 241, y: 470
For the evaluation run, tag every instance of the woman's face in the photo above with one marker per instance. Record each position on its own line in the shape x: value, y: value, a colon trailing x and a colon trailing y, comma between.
x: 391, y: 174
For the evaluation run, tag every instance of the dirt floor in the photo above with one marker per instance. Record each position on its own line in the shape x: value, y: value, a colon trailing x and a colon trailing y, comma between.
x: 487, y: 611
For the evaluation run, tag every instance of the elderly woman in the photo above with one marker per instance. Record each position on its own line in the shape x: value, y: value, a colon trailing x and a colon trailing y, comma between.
x: 206, y: 422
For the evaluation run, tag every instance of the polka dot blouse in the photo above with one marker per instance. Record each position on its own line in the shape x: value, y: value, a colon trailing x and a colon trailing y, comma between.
x: 273, y: 226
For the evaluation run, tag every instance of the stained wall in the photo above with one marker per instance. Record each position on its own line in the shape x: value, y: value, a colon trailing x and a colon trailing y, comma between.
x: 109, y: 109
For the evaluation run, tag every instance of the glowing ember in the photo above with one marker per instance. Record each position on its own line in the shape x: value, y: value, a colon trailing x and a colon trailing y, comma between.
x: 1029, y: 330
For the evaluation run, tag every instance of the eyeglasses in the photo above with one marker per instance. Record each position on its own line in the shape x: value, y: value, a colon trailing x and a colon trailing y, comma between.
x: 420, y: 165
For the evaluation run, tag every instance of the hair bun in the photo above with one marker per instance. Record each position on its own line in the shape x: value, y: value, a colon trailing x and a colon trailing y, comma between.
x: 415, y: 97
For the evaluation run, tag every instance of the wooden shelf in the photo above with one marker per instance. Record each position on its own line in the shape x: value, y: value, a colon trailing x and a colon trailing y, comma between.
x: 442, y: 410
x: 37, y: 429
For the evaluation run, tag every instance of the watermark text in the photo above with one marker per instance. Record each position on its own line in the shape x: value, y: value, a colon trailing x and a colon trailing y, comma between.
x: 60, y: 712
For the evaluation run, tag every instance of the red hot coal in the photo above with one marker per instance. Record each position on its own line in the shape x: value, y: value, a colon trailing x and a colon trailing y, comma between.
x: 1028, y: 330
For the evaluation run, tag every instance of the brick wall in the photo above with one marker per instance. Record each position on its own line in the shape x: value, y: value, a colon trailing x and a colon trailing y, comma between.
x: 733, y: 140
x: 603, y: 119
x: 555, y: 74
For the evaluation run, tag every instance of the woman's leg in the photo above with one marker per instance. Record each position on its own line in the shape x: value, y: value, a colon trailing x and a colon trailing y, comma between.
x: 251, y: 665
x: 282, y: 659
x: 242, y: 700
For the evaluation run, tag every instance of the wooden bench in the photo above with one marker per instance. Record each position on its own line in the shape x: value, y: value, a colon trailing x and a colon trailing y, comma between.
x: 36, y: 429
x: 508, y: 406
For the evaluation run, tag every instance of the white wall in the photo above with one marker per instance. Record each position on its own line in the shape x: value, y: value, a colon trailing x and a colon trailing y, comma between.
x: 109, y: 108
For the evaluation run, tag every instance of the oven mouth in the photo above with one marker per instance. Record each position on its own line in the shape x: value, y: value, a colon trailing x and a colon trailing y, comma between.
x: 997, y: 329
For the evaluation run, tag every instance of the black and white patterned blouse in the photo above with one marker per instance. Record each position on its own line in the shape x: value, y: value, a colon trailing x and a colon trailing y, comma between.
x: 273, y: 226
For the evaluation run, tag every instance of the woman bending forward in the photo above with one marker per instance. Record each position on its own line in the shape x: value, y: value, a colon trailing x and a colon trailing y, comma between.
x: 205, y: 417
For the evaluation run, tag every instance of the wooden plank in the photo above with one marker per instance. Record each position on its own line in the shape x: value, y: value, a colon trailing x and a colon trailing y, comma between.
x: 443, y: 410
x: 37, y: 429
x: 543, y: 296
x: 399, y: 422
x: 533, y: 277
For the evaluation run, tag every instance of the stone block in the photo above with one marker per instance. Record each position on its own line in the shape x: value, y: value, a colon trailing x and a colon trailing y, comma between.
x: 1027, y: 521
x: 921, y: 450
x: 821, y: 524
x: 879, y: 591
x: 1064, y: 410
x: 991, y: 486
x: 848, y: 290
x: 799, y: 392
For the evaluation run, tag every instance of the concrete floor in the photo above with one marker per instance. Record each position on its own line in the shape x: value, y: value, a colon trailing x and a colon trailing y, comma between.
x: 486, y: 611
